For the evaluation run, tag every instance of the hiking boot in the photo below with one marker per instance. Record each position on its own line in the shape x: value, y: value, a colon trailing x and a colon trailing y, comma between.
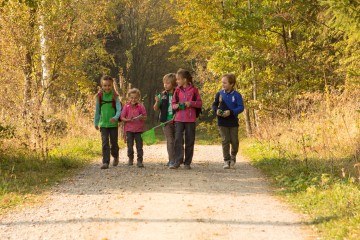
x: 130, y: 162
x: 116, y: 162
x: 187, y: 167
x: 232, y: 163
x: 140, y: 165
x: 226, y: 165
x: 105, y: 166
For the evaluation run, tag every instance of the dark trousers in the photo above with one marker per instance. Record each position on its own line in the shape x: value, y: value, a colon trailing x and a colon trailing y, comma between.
x: 169, y: 132
x: 113, y: 147
x: 189, y: 129
x: 130, y: 138
x: 229, y: 136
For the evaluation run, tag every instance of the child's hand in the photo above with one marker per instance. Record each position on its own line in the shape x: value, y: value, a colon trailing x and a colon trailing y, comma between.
x: 176, y: 106
x: 226, y: 113
x: 97, y: 127
x: 157, y: 98
x: 187, y: 104
x: 143, y: 118
x: 112, y: 120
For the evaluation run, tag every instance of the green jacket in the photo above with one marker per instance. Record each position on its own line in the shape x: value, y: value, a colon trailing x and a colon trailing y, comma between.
x: 102, y: 116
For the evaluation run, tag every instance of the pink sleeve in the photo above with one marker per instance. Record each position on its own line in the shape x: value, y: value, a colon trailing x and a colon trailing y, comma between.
x: 143, y: 110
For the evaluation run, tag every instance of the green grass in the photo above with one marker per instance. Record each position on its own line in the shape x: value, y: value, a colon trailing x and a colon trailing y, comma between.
x: 24, y: 176
x: 317, y: 189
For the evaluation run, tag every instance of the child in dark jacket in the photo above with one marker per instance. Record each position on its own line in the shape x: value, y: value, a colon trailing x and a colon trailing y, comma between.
x: 163, y: 102
x: 185, y: 101
x: 227, y: 105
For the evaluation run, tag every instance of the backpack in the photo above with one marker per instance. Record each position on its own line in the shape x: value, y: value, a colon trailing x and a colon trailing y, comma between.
x: 198, y: 110
x: 113, y: 101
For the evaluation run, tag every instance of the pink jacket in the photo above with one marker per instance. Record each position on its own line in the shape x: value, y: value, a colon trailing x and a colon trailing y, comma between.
x: 130, y: 111
x: 188, y: 94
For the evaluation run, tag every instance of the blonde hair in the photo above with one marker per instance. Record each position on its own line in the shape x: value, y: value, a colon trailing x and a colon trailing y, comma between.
x: 170, y: 77
x: 134, y: 91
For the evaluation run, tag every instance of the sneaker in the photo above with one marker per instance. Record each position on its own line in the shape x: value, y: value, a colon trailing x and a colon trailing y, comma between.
x: 130, y: 162
x: 187, y: 167
x: 171, y: 166
x: 116, y: 162
x: 140, y: 165
x: 105, y: 166
x: 232, y: 163
x: 226, y: 165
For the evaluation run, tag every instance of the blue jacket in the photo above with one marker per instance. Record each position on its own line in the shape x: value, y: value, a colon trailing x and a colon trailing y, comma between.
x: 228, y: 101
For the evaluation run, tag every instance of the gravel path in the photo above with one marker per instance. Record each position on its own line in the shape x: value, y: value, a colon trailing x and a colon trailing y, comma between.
x: 124, y: 202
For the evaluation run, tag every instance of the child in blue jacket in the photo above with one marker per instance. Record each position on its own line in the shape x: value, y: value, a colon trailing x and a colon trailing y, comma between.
x: 227, y: 105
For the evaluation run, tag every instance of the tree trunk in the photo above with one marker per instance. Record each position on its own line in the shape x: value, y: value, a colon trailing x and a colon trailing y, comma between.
x: 28, y: 72
x: 248, y: 122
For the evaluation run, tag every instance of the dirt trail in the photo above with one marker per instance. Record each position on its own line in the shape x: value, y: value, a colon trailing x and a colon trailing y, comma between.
x: 124, y: 202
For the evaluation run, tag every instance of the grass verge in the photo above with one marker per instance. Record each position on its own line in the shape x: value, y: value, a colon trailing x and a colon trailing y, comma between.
x: 23, y: 176
x: 318, y: 189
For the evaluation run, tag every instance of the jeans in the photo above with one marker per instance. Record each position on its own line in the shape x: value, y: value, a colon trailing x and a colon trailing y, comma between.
x: 189, y: 129
x: 229, y: 136
x: 111, y: 133
x: 169, y: 132
x: 130, y: 137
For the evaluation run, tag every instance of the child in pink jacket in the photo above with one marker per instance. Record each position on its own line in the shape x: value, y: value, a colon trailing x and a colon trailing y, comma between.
x: 185, y: 101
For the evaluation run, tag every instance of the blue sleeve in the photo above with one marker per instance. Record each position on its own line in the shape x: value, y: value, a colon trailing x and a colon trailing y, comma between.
x: 97, y: 113
x: 216, y: 102
x: 118, y: 109
x: 239, y: 105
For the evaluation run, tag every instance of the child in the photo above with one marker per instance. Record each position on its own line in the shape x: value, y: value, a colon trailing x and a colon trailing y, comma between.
x: 163, y: 102
x: 227, y: 105
x: 134, y: 116
x: 106, y: 118
x: 186, y: 99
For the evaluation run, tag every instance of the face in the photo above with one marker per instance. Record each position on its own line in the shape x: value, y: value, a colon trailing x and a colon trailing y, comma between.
x: 168, y: 86
x: 134, y: 98
x: 226, y: 85
x: 180, y: 81
x: 106, y: 85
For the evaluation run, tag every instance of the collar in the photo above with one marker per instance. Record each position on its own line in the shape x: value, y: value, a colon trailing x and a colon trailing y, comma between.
x: 231, y: 92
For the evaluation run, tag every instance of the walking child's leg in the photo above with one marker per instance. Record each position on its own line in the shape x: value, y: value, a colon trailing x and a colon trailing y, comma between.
x: 234, y: 139
x: 179, y: 144
x: 114, y: 146
x: 190, y: 128
x: 139, y: 149
x: 169, y: 132
x: 105, y: 145
x: 225, y: 142
x: 114, y: 142
x: 130, y: 147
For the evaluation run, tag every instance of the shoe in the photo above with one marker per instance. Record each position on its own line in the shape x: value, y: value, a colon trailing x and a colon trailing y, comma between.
x: 167, y: 164
x: 116, y: 162
x: 226, y: 165
x: 187, y: 167
x: 105, y: 166
x: 130, y: 162
x: 232, y: 163
x: 140, y: 165
x: 171, y: 166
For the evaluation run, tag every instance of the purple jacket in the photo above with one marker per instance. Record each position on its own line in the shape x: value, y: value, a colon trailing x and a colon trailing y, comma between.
x: 188, y: 94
